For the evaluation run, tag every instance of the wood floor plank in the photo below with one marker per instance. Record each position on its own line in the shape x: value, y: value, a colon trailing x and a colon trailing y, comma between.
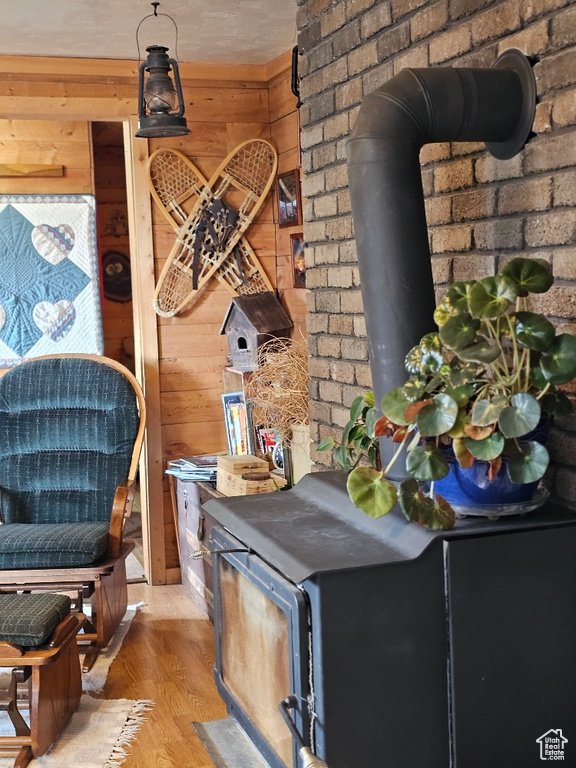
x: 167, y: 656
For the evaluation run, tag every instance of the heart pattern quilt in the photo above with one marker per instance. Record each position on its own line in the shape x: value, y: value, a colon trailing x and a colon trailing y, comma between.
x: 49, y: 277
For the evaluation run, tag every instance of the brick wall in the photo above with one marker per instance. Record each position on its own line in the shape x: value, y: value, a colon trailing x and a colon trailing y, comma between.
x: 480, y: 210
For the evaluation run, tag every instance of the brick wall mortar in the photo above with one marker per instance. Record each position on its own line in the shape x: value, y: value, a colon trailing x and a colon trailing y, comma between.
x: 481, y: 211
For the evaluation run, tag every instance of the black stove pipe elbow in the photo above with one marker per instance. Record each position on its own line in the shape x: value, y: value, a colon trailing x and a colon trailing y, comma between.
x: 416, y: 107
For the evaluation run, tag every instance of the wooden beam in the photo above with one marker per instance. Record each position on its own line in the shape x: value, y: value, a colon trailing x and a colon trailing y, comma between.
x: 64, y: 108
x: 111, y: 69
x: 146, y: 348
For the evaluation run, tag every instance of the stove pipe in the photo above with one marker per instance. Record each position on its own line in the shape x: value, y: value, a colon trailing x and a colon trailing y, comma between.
x: 417, y: 107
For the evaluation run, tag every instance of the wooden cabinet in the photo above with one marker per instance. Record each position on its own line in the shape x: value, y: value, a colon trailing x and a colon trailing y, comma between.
x: 194, y: 526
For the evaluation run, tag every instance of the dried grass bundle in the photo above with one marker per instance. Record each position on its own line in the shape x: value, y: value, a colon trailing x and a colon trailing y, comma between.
x: 278, y: 390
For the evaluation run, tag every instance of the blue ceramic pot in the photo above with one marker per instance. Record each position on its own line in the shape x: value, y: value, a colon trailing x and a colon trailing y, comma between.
x: 467, y: 487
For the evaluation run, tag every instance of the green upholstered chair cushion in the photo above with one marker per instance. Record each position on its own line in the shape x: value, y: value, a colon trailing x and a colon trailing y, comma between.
x: 61, y: 545
x: 30, y: 620
x: 67, y: 430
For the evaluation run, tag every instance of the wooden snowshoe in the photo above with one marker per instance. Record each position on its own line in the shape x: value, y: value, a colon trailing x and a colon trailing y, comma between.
x: 209, y: 218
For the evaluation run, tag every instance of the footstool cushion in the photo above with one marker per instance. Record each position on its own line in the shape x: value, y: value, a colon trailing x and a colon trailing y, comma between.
x: 29, y: 620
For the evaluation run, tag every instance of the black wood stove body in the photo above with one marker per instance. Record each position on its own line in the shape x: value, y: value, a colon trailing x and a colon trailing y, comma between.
x: 405, y: 648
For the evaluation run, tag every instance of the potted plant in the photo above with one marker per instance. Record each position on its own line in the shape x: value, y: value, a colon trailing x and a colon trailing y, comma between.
x: 474, y: 411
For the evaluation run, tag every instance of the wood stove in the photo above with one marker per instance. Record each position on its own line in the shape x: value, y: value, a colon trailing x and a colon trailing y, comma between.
x: 404, y: 648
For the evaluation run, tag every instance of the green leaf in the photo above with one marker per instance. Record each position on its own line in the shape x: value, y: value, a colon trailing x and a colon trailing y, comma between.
x: 341, y: 456
x: 462, y: 373
x: 356, y: 408
x: 537, y: 378
x: 461, y: 394
x: 442, y: 312
x: 326, y: 444
x: 410, y: 497
x: 521, y: 416
x: 432, y: 361
x: 348, y: 433
x: 414, y: 387
x: 435, y: 514
x: 457, y: 296
x: 426, y: 463
x: 530, y: 275
x: 557, y: 404
x: 438, y: 417
x: 559, y: 365
x: 482, y: 352
x: 443, y: 517
x: 352, y: 435
x: 413, y: 360
x: 458, y: 428
x: 534, y: 331
x: 459, y: 331
x: 394, y: 404
x: 431, y: 343
x: 371, y: 419
x: 487, y: 449
x: 369, y: 399
x: 486, y: 412
x: 371, y: 492
x: 530, y: 464
x: 492, y: 296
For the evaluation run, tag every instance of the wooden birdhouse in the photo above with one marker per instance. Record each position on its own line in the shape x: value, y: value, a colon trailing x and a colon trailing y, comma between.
x: 250, y: 321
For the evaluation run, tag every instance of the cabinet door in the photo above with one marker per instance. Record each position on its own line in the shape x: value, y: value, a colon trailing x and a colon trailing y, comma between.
x: 512, y: 622
x: 194, y: 525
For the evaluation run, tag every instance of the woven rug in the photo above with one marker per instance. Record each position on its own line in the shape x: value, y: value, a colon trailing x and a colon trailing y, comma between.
x: 101, y: 730
x: 97, y: 736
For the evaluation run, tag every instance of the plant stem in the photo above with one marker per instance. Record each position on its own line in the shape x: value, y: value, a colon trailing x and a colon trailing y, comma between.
x: 541, y: 394
x: 396, y: 454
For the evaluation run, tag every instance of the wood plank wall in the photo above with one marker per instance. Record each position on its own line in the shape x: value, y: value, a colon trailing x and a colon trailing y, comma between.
x: 46, y: 142
x: 224, y: 106
x: 112, y: 213
x: 193, y: 354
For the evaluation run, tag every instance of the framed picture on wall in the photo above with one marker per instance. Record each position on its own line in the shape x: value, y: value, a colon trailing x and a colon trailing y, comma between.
x: 298, y: 261
x: 288, y: 199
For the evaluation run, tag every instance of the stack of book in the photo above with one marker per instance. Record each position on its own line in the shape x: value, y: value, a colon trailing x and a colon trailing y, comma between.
x: 199, y: 468
x: 236, y: 421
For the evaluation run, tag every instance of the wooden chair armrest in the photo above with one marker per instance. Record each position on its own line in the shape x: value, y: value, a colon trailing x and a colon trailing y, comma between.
x: 71, y: 625
x: 10, y: 651
x: 121, y: 508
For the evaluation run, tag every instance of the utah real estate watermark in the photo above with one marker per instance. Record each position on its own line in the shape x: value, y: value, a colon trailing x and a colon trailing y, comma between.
x: 552, y: 744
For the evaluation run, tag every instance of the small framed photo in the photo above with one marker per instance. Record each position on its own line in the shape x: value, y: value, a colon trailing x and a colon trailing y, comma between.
x: 289, y: 199
x: 298, y: 261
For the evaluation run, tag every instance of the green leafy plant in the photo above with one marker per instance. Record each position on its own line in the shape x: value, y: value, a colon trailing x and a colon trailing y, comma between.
x: 358, y: 440
x: 479, y: 385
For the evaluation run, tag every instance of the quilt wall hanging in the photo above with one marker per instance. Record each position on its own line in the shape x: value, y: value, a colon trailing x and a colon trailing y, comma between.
x: 49, y: 277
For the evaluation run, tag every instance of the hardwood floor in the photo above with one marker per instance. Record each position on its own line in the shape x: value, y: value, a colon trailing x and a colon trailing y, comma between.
x: 167, y: 656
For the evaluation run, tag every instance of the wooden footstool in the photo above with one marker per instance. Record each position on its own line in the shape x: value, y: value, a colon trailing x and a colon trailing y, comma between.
x: 38, y: 641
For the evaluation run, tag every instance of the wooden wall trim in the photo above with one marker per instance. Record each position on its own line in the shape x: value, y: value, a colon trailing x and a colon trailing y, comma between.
x: 279, y: 65
x: 107, y: 69
x: 146, y: 347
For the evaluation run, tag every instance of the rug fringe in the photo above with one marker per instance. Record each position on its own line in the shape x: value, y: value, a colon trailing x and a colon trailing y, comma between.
x: 134, y: 720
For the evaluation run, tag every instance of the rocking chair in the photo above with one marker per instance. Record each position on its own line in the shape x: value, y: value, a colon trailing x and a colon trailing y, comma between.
x: 71, y: 431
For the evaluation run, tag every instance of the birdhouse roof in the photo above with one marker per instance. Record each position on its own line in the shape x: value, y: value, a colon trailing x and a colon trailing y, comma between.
x: 263, y: 310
